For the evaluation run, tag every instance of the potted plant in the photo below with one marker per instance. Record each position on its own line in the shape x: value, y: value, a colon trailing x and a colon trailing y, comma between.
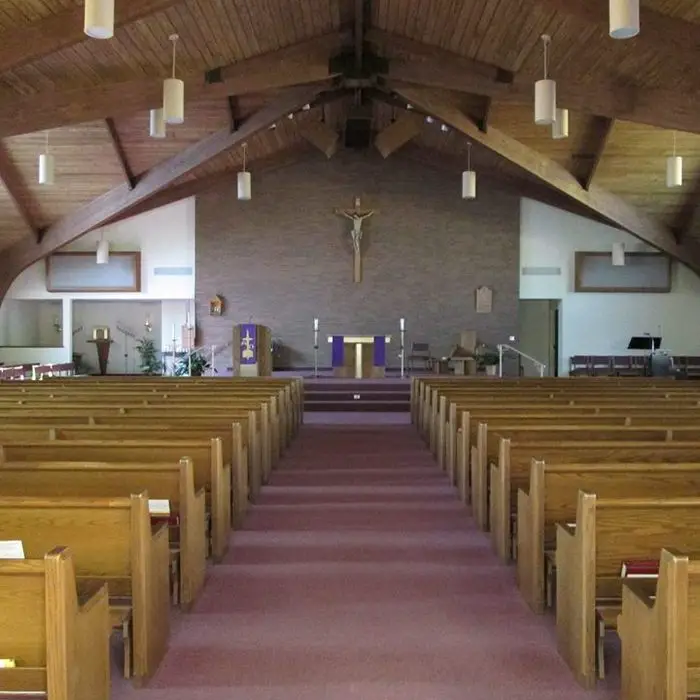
x: 488, y: 359
x: 196, y: 367
x: 150, y: 364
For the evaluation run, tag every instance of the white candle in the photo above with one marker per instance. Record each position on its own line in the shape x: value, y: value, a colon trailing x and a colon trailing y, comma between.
x: 402, y: 323
x: 187, y: 319
x: 174, y: 336
x: 315, y: 324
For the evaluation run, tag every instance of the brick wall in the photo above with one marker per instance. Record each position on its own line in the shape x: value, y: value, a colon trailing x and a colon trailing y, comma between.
x: 284, y: 258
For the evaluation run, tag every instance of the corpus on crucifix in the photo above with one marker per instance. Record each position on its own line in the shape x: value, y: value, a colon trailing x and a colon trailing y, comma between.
x: 357, y: 216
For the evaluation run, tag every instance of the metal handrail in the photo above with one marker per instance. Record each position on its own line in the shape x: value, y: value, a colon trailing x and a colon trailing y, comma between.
x: 540, y: 366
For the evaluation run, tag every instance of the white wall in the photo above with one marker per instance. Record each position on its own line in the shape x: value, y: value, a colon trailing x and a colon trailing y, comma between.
x: 166, y: 239
x: 601, y: 324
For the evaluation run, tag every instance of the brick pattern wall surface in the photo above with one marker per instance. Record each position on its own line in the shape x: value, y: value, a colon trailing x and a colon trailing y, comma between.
x: 284, y: 258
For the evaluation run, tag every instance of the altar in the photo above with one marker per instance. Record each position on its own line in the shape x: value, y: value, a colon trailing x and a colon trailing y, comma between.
x: 359, y: 356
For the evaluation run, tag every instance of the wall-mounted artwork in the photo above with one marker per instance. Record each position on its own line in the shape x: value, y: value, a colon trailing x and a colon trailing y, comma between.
x: 216, y: 306
x: 484, y: 300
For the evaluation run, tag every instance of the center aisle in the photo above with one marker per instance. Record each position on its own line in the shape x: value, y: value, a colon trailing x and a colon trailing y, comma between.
x: 359, y: 575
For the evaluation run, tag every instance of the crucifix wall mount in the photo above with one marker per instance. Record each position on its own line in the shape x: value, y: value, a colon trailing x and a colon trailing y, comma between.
x: 357, y: 215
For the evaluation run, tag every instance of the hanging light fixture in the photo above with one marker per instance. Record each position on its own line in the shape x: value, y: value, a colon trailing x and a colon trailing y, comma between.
x: 157, y: 124
x: 174, y: 93
x: 618, y: 254
x: 46, y: 165
x: 245, y: 192
x: 99, y: 19
x: 674, y: 168
x: 102, y: 252
x: 545, y: 92
x: 469, y: 177
x: 560, y: 127
x: 624, y: 19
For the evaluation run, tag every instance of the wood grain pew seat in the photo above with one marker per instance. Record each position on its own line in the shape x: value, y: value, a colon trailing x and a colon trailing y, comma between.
x: 589, y: 558
x: 210, y: 473
x: 57, y: 634
x: 659, y: 630
x: 552, y: 497
x: 495, y: 490
x: 112, y: 542
x: 169, y: 481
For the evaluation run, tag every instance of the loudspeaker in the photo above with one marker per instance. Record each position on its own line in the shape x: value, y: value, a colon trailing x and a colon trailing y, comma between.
x: 358, y: 133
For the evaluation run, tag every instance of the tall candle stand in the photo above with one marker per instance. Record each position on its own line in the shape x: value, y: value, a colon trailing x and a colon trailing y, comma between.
x: 402, y: 328
x: 315, y: 348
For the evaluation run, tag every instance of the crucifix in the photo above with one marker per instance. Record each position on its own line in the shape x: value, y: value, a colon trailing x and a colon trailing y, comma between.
x: 357, y: 216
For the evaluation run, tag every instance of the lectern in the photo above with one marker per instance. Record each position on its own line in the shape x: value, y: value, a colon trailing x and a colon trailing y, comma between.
x: 252, y: 350
x: 103, y: 343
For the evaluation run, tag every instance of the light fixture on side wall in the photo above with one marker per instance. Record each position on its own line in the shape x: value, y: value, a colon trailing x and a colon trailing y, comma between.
x: 46, y: 165
x: 618, y: 254
x: 99, y: 19
x: 174, y: 93
x: 624, y: 18
x: 545, y: 91
x: 674, y: 168
x: 469, y: 177
x: 157, y: 127
x: 102, y: 252
x: 560, y: 127
x: 245, y: 189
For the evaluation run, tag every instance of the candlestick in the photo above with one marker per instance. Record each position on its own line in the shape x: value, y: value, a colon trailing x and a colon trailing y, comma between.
x: 315, y: 324
x: 402, y: 323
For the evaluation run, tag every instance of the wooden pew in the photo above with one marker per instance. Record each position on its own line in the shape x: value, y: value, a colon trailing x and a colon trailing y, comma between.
x: 589, y: 559
x: 659, y: 630
x: 210, y: 473
x: 111, y: 541
x: 552, y: 497
x: 58, y: 638
x: 495, y: 497
x: 169, y: 481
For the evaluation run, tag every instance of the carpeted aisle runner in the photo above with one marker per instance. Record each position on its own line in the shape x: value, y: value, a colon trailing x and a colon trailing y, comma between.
x: 359, y: 575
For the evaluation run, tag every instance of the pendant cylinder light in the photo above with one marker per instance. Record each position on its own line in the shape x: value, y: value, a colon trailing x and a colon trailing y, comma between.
x: 46, y: 169
x: 545, y: 92
x: 99, y: 19
x: 674, y: 168
x: 174, y: 94
x: 103, y: 252
x: 245, y: 185
x: 560, y: 128
x: 674, y: 171
x: 469, y: 178
x: 624, y: 18
x: 157, y: 125
x: 46, y: 165
x: 618, y: 254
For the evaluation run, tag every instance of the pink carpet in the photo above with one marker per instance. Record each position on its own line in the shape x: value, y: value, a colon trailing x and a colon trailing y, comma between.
x: 359, y: 575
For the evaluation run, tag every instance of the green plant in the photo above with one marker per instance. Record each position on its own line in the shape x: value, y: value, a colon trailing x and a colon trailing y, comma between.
x: 198, y: 365
x: 150, y: 364
x: 489, y: 357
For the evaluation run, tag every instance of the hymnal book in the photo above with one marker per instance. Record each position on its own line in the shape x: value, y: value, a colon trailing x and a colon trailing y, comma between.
x: 644, y: 568
x: 11, y: 549
x: 159, y: 506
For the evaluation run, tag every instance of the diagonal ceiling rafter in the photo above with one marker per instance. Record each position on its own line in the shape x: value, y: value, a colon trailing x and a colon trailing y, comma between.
x: 603, y: 202
x: 121, y: 199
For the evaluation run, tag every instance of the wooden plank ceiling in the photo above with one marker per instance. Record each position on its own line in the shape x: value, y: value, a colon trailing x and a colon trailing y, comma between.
x: 629, y: 102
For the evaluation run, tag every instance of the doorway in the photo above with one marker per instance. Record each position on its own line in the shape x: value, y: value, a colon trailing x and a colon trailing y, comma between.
x: 539, y: 330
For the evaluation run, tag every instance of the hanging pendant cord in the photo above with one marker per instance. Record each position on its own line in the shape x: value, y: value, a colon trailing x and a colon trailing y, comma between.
x: 47, y: 142
x: 469, y: 157
x: 674, y: 144
x: 546, y: 56
x: 174, y: 39
x: 245, y: 149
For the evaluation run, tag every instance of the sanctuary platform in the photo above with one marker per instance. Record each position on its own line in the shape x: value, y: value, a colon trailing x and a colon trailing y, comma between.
x: 378, y: 395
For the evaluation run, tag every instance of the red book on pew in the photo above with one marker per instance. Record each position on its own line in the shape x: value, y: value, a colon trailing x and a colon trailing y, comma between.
x: 171, y: 520
x: 640, y: 568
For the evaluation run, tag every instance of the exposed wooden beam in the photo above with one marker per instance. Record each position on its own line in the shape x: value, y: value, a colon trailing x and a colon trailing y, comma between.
x: 483, y: 119
x: 234, y: 112
x: 359, y: 34
x: 120, y: 199
x: 120, y: 152
x: 191, y: 188
x: 20, y: 195
x: 302, y: 63
x: 590, y: 153
x: 423, y: 65
x: 608, y: 205
x: 321, y: 136
x: 19, y: 46
x: 398, y: 133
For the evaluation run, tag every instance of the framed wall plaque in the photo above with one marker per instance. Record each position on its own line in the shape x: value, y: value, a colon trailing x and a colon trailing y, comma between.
x: 484, y: 300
